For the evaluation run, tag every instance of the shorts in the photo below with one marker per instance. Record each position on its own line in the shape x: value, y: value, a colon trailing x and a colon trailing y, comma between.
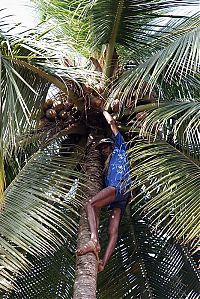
x: 121, y: 200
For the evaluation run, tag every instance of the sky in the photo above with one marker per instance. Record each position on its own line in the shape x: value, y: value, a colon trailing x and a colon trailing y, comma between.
x: 24, y: 12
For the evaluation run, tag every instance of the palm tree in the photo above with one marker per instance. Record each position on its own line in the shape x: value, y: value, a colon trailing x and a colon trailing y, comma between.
x: 149, y: 66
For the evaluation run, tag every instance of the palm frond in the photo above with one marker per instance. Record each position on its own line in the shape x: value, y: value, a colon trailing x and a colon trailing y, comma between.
x: 143, y: 264
x: 147, y: 265
x: 30, y: 62
x: 41, y: 207
x: 2, y: 179
x: 67, y: 19
x: 187, y: 89
x: 134, y: 20
x: 49, y: 277
x: 180, y: 120
x: 168, y: 32
x: 87, y: 20
x: 21, y: 103
x: 171, y: 180
x: 175, y: 64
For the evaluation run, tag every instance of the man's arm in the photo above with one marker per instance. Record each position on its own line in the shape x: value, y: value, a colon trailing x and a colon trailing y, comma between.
x: 111, y: 122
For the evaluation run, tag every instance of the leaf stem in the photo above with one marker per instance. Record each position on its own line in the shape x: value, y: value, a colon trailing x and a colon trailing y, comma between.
x: 112, y: 42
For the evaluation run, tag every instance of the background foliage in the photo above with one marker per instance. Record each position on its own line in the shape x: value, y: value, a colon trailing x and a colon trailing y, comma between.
x: 155, y: 68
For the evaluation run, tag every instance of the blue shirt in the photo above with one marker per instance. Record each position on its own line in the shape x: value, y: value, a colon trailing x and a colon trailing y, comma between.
x: 119, y: 169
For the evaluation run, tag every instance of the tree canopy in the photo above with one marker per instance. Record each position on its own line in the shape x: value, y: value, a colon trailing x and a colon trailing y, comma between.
x: 141, y: 62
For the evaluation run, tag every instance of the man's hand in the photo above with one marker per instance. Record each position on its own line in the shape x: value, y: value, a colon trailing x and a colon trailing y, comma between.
x: 111, y: 122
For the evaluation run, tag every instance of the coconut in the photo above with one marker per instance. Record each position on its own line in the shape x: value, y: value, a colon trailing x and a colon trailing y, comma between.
x: 58, y: 106
x: 63, y: 114
x: 51, y: 114
x: 47, y: 104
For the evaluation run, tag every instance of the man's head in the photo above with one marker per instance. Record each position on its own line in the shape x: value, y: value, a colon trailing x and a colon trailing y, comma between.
x: 105, y: 146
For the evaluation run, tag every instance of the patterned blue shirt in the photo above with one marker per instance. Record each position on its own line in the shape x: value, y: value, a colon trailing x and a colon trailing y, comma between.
x: 119, y: 169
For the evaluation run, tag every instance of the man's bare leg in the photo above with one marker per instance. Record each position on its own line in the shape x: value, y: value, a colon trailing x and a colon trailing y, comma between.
x: 114, y: 221
x: 97, y: 215
x: 101, y: 199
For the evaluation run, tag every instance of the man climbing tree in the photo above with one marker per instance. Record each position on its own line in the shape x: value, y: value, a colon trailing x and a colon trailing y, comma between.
x: 115, y: 194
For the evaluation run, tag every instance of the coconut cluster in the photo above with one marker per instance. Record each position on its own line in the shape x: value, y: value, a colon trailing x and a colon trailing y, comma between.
x: 59, y: 113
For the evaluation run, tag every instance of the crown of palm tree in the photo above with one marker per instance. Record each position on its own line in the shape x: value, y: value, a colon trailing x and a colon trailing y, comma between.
x: 44, y: 179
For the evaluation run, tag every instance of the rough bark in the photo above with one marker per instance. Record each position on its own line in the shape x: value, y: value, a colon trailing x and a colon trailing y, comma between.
x: 86, y: 265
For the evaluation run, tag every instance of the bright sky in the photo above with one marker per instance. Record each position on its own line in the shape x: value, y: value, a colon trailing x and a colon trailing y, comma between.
x: 24, y: 12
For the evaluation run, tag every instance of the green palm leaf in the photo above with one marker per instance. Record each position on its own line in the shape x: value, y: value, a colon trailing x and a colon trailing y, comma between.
x: 143, y: 264
x: 66, y: 18
x: 21, y: 105
x: 41, y: 205
x: 128, y: 18
x: 147, y: 265
x: 126, y: 23
x: 179, y: 119
x: 172, y: 182
x: 170, y: 65
x: 50, y: 276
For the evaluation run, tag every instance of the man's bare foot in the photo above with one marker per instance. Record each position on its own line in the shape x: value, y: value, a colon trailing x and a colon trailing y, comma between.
x: 90, y: 246
x: 97, y: 244
x: 100, y: 266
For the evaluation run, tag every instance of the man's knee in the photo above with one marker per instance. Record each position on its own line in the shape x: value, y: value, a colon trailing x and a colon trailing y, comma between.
x: 88, y: 204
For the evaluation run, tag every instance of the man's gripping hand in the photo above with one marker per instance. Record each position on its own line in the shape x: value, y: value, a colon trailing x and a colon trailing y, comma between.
x: 111, y: 122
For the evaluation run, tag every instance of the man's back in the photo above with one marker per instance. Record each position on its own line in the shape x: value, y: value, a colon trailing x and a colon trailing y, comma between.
x: 119, y: 169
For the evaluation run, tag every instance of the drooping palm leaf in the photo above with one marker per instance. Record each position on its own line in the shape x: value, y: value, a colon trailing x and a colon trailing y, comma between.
x: 28, y: 66
x: 128, y: 20
x: 21, y: 104
x: 50, y: 276
x: 143, y: 264
x: 172, y: 181
x: 184, y: 118
x: 186, y: 89
x: 172, y: 64
x: 146, y: 265
x: 40, y: 209
x: 167, y: 32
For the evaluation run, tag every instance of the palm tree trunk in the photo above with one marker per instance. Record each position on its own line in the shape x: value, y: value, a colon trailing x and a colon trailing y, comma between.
x: 86, y: 265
